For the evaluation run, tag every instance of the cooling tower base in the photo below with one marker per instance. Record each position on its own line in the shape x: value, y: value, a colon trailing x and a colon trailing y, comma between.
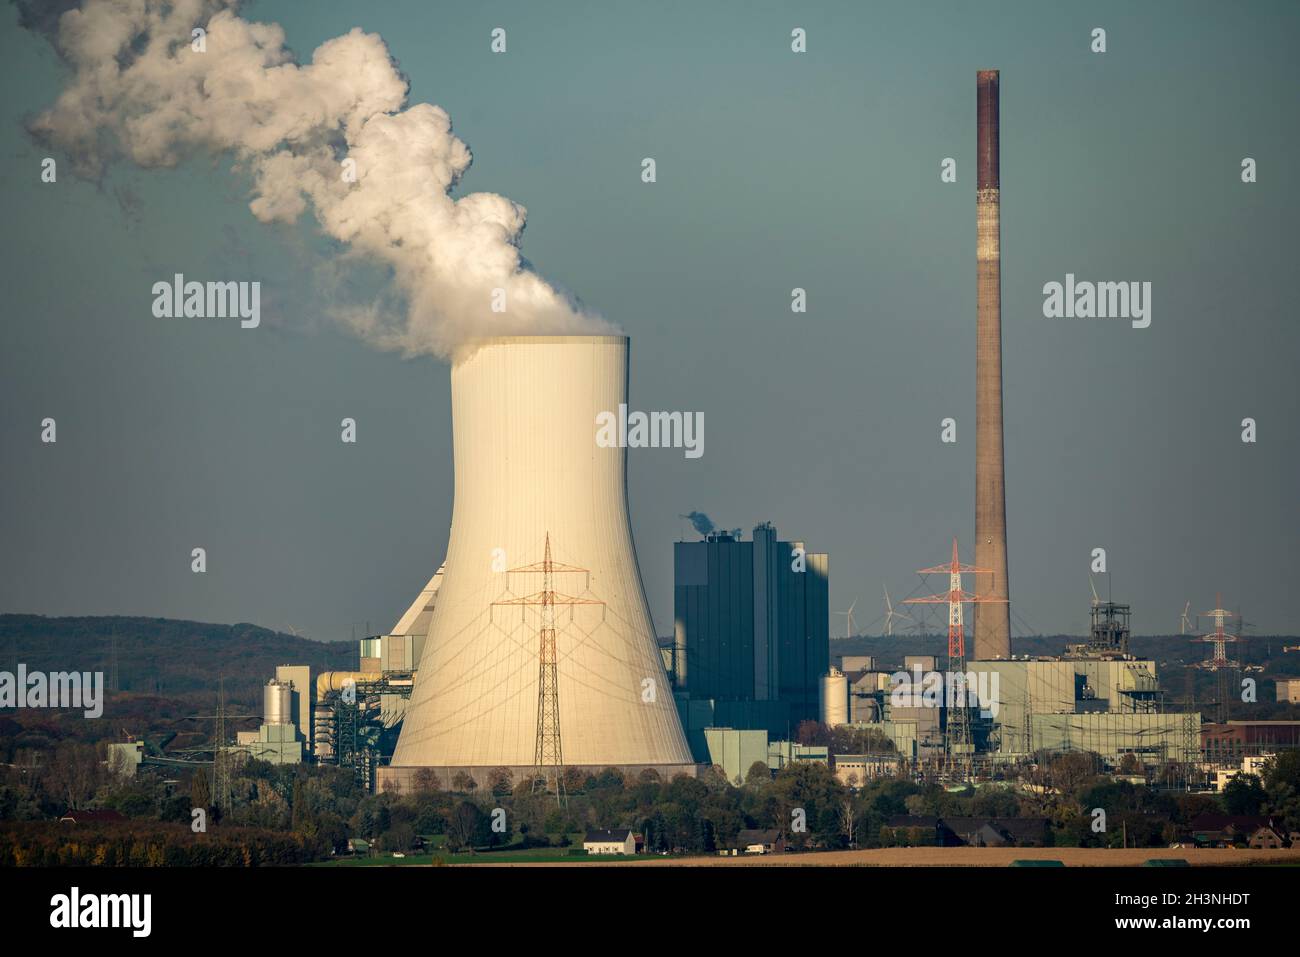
x: 404, y: 780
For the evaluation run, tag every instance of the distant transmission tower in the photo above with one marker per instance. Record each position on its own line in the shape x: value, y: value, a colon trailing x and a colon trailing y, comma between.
x: 1219, y: 662
x: 548, y: 755
x: 222, y: 793
x: 221, y: 789
x: 113, y: 681
x: 957, y: 735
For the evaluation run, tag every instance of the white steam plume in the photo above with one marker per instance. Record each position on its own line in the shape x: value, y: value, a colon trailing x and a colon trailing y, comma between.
x: 139, y: 90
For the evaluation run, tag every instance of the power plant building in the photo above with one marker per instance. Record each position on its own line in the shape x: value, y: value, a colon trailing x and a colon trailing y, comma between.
x: 279, y: 739
x: 751, y: 628
x: 1109, y: 705
x: 297, y: 678
x: 736, y: 750
x: 399, y: 652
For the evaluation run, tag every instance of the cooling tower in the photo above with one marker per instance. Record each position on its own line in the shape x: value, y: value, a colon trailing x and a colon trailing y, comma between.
x: 992, y: 620
x: 529, y: 473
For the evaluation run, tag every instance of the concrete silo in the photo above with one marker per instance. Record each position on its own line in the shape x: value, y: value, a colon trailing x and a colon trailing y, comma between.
x: 540, y: 507
x: 834, y: 693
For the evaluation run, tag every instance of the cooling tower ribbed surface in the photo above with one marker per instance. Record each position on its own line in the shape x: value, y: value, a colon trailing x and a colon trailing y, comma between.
x: 527, y: 466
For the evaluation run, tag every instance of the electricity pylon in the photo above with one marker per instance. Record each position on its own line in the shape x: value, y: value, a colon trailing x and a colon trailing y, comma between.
x: 1219, y: 662
x: 548, y: 757
x: 957, y: 734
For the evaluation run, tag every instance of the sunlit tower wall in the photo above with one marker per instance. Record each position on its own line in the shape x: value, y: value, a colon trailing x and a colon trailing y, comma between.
x: 993, y: 620
x: 528, y: 466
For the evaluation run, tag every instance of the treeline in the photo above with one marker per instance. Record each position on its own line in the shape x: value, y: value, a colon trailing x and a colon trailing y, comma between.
x: 681, y: 815
x: 149, y: 844
x: 297, y: 813
x: 811, y: 809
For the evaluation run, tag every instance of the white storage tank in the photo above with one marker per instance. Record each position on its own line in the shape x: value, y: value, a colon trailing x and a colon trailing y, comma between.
x: 277, y: 703
x: 834, y: 698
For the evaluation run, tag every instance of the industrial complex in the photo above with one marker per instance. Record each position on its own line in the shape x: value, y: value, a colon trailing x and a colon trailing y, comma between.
x: 359, y: 543
x: 751, y: 633
x: 531, y: 650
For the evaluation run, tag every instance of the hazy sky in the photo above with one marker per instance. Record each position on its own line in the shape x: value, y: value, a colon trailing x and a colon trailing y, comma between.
x: 775, y: 170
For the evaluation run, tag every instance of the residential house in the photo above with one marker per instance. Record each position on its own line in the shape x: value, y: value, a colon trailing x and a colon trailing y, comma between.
x: 1231, y: 830
x: 927, y: 830
x: 618, y: 841
x: 765, y: 841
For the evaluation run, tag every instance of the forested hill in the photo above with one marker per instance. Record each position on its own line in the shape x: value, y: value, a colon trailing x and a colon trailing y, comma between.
x: 163, y: 655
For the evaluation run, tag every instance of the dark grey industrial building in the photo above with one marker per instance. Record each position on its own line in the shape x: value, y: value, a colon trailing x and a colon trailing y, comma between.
x: 752, y: 628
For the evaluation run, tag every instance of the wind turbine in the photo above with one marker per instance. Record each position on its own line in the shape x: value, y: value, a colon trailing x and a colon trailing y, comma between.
x: 1185, y: 623
x: 890, y: 614
x: 848, y: 619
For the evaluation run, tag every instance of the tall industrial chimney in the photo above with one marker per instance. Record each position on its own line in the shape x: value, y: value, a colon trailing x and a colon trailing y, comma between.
x: 541, y: 640
x: 992, y: 620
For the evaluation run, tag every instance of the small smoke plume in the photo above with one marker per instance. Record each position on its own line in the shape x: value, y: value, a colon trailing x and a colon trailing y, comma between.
x: 703, y: 524
x: 139, y: 91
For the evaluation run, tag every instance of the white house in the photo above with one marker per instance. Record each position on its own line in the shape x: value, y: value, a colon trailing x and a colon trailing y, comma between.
x: 619, y: 841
